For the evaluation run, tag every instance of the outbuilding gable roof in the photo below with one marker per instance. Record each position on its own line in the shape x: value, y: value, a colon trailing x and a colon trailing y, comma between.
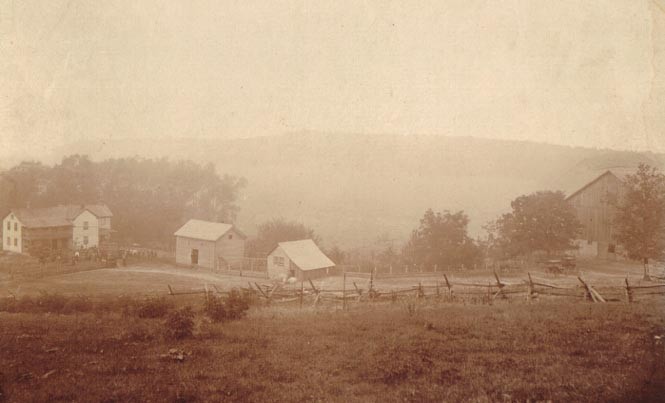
x: 205, y: 230
x: 305, y: 254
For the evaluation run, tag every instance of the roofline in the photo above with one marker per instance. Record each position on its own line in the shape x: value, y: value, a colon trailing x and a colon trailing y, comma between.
x: 11, y: 212
x: 594, y: 181
x: 273, y: 249
x: 233, y: 227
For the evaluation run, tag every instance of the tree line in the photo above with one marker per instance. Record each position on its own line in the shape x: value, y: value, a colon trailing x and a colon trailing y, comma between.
x: 149, y: 198
x: 538, y: 224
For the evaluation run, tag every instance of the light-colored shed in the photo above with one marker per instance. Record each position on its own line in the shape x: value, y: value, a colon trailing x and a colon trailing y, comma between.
x: 300, y: 259
x: 209, y: 244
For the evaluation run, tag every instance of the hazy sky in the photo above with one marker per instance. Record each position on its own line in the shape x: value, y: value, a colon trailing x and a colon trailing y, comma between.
x: 588, y: 73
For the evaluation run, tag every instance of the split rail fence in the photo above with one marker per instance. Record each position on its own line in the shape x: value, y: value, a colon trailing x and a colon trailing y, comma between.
x: 528, y: 290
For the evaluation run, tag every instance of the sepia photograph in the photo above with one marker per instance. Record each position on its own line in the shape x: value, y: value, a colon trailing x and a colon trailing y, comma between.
x: 348, y: 201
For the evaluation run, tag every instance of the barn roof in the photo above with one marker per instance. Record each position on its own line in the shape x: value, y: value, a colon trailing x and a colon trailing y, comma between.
x: 57, y: 216
x: 205, y: 230
x: 305, y: 254
x: 583, y: 182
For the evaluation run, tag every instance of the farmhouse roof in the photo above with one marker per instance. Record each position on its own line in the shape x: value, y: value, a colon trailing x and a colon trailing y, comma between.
x: 57, y: 216
x: 584, y: 182
x: 205, y: 230
x: 305, y: 254
x: 99, y: 210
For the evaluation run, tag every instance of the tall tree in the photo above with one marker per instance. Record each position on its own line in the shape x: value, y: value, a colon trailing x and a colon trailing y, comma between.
x: 640, y: 216
x: 442, y: 240
x: 149, y: 198
x: 541, y: 221
x: 270, y: 233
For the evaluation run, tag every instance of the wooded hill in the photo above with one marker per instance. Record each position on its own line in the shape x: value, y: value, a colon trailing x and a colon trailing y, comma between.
x: 371, y: 190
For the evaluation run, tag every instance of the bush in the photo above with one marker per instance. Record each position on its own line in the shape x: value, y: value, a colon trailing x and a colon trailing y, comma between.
x: 179, y: 324
x: 234, y: 306
x: 214, y: 308
x: 237, y: 304
x: 153, y: 308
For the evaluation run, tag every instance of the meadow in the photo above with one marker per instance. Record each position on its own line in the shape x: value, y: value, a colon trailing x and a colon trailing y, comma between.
x: 55, y: 348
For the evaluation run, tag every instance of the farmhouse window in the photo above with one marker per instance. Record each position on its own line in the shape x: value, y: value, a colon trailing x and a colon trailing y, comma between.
x: 85, y: 225
x: 85, y: 240
x: 15, y: 242
x: 230, y: 236
x: 9, y: 225
x: 15, y: 226
x: 278, y: 260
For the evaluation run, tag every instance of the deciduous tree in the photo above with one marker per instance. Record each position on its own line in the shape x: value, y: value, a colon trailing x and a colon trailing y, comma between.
x: 541, y: 221
x: 640, y: 216
x: 270, y: 233
x: 442, y: 240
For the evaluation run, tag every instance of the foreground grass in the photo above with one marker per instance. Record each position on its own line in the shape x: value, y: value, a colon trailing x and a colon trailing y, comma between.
x: 510, y: 352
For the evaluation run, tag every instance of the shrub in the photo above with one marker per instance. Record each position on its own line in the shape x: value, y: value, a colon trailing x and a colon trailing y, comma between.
x: 237, y: 304
x: 234, y: 306
x: 153, y: 308
x: 179, y: 324
x: 214, y: 308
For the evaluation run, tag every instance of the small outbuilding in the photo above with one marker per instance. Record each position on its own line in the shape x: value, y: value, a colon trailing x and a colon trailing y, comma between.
x: 209, y: 244
x: 300, y: 259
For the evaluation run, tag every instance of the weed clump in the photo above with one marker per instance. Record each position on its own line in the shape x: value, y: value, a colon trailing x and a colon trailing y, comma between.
x: 179, y: 324
x: 234, y: 306
x: 153, y: 308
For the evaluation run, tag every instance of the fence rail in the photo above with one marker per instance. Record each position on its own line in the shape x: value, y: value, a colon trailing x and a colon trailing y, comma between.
x: 527, y: 290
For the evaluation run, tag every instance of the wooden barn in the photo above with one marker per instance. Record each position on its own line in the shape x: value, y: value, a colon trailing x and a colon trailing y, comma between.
x: 300, y: 259
x: 593, y: 203
x: 209, y: 244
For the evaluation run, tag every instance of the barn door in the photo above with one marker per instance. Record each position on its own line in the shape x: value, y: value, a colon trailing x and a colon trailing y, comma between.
x: 195, y: 256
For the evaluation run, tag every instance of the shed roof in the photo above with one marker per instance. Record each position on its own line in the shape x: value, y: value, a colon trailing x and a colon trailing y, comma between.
x: 205, y: 230
x: 305, y: 254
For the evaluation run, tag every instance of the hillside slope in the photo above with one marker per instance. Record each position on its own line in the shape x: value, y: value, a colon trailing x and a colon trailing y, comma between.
x: 354, y: 189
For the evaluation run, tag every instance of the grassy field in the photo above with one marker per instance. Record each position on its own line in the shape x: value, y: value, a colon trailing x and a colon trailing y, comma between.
x: 150, y: 278
x: 374, y: 352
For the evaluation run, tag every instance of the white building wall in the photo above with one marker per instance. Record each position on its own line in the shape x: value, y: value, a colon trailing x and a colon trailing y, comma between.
x: 12, y: 231
x: 275, y: 270
x: 81, y: 231
x: 183, y: 252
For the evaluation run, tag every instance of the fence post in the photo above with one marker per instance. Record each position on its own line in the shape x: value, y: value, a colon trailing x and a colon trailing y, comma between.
x: 629, y: 295
x: 489, y: 292
x: 450, y: 288
x: 500, y: 285
x: 529, y: 292
x: 344, y: 292
x: 302, y: 291
x: 371, y: 284
x: 438, y: 293
x: 587, y: 291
